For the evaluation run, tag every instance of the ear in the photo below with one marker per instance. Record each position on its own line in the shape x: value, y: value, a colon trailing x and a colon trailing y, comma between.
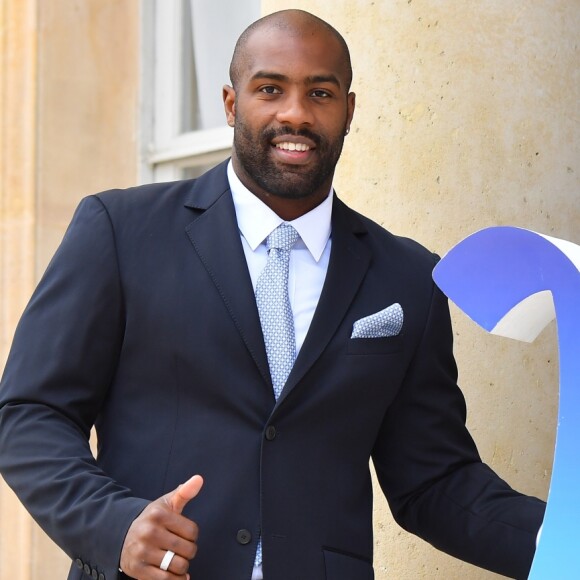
x: 350, y: 106
x: 229, y: 96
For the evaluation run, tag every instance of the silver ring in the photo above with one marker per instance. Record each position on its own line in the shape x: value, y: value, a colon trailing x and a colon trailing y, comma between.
x: 166, y: 560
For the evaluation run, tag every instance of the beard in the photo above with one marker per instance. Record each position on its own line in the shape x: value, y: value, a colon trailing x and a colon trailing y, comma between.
x: 253, y: 151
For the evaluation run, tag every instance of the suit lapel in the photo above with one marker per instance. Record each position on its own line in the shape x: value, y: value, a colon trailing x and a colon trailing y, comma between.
x: 349, y: 262
x: 215, y: 237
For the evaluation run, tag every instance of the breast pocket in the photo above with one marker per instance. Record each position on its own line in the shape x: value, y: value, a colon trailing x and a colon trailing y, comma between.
x: 384, y: 345
x: 341, y: 566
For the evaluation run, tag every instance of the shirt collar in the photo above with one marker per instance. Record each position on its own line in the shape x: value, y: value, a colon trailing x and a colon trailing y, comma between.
x: 257, y: 221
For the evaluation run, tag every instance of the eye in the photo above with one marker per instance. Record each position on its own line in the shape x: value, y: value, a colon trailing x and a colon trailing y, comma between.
x: 270, y: 90
x: 321, y: 94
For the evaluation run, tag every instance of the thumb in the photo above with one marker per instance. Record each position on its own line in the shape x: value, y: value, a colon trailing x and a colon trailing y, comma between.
x: 184, y: 493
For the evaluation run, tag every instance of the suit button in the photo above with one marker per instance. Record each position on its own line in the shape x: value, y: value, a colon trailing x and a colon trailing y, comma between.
x: 101, y: 576
x: 244, y: 537
x: 94, y: 574
x: 270, y: 433
x: 87, y: 569
x: 79, y: 563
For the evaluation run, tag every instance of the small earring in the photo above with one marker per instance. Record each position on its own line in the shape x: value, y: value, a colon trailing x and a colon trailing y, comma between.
x: 347, y: 132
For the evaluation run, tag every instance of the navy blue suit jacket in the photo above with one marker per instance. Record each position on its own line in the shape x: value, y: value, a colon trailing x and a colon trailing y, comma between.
x: 145, y: 325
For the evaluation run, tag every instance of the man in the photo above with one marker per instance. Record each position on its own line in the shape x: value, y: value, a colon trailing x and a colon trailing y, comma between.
x: 162, y: 321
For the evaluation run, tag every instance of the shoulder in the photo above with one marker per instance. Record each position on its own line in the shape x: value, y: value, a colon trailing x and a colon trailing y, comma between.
x: 157, y: 197
x: 387, y: 245
x: 144, y: 198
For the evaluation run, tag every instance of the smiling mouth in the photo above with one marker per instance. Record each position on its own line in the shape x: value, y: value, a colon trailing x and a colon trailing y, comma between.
x: 287, y: 146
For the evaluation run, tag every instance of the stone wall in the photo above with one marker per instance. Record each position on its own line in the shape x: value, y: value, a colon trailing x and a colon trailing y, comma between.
x: 69, y: 82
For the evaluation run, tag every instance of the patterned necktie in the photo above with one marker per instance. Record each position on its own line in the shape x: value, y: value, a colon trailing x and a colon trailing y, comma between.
x: 274, y: 306
x: 276, y: 314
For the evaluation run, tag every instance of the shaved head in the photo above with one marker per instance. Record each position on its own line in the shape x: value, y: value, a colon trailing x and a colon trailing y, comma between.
x: 297, y: 23
x: 290, y: 107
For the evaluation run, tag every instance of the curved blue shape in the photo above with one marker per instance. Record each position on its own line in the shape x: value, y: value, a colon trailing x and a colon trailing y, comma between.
x: 499, y: 277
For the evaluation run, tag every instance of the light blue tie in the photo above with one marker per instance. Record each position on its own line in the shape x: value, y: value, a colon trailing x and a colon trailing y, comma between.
x: 276, y: 314
x: 274, y: 306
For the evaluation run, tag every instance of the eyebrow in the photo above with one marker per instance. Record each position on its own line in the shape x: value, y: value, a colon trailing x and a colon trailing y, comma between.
x: 311, y: 80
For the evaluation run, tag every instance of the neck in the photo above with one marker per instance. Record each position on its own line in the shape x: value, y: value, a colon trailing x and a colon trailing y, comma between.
x: 291, y: 209
x: 286, y: 207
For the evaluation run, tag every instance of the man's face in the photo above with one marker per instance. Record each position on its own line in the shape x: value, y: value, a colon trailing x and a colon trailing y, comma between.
x: 290, y: 113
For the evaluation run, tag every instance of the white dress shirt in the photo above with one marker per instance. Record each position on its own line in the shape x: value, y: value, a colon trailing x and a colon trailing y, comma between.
x: 308, y: 257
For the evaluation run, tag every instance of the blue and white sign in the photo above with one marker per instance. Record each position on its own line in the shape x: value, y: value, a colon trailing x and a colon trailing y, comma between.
x: 513, y: 282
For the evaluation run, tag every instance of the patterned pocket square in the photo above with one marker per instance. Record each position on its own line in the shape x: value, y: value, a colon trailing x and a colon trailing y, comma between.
x: 387, y: 322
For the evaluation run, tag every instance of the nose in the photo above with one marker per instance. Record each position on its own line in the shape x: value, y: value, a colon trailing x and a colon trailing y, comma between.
x: 295, y: 109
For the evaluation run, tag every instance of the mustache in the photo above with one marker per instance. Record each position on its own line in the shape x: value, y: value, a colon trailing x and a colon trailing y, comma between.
x: 270, y: 134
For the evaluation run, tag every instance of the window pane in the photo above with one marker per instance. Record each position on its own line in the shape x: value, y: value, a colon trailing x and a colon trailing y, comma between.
x: 195, y: 171
x: 208, y: 40
x: 196, y: 165
x: 190, y: 103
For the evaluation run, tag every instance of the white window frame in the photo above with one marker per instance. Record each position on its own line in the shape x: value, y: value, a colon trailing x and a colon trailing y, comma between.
x: 164, y: 151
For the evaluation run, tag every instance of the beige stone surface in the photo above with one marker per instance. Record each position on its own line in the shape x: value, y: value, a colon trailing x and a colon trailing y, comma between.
x: 88, y: 107
x: 467, y: 116
x: 69, y: 74
x: 17, y: 121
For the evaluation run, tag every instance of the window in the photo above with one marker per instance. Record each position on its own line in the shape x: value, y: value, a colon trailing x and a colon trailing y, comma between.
x: 187, y: 47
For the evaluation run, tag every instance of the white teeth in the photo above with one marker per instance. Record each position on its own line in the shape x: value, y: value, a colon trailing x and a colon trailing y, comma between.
x: 293, y: 146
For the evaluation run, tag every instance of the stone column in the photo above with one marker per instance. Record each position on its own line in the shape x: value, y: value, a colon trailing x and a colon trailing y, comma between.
x: 18, y: 68
x: 69, y: 108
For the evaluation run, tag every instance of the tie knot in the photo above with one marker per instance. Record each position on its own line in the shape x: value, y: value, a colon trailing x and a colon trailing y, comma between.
x: 282, y: 238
